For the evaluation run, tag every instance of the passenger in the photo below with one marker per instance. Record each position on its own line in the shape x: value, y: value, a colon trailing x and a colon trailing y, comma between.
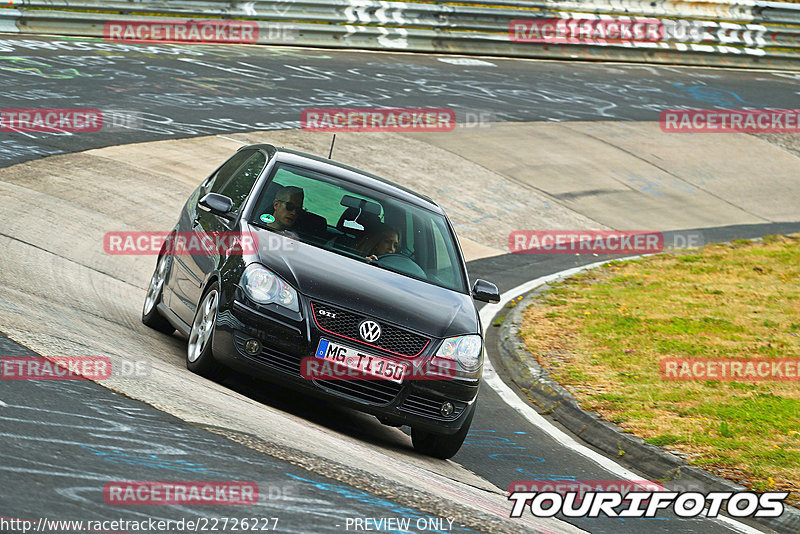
x: 379, y: 240
x: 287, y: 206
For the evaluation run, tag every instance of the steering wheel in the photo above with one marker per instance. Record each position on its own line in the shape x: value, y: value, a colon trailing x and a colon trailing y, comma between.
x: 402, y: 263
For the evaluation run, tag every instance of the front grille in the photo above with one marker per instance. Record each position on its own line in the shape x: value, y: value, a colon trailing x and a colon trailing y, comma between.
x: 378, y: 392
x: 430, y: 407
x: 268, y: 356
x: 345, y: 323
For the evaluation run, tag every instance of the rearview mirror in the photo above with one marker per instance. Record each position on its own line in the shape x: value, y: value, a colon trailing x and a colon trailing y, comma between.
x: 216, y: 204
x: 485, y: 291
x: 359, y: 203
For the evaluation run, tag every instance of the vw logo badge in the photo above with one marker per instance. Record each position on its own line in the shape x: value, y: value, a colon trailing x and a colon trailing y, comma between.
x: 369, y: 331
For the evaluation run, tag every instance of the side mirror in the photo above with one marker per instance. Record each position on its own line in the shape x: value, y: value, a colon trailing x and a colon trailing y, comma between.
x: 216, y: 204
x: 485, y: 291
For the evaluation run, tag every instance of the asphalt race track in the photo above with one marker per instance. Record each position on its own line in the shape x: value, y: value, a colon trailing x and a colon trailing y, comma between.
x: 68, y: 435
x: 186, y: 91
x: 316, y: 466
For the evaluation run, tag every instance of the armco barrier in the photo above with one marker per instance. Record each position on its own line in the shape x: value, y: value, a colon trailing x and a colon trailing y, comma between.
x: 725, y: 33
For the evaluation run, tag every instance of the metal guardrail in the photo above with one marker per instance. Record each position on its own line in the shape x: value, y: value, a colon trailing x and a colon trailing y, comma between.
x: 749, y: 33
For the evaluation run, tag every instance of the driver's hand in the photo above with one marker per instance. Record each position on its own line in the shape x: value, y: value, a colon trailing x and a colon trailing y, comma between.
x: 372, y: 257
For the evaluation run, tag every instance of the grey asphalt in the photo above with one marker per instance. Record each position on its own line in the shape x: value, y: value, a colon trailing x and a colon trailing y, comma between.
x: 62, y: 439
x: 187, y: 90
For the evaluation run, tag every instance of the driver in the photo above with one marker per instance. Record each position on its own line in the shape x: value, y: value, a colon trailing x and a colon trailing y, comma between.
x: 287, y: 206
x: 379, y: 240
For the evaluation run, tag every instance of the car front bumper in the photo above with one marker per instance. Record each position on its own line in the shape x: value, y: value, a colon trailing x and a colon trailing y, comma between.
x: 286, y: 339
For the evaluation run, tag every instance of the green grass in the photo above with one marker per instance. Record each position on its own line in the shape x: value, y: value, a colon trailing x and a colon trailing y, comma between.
x: 611, y: 327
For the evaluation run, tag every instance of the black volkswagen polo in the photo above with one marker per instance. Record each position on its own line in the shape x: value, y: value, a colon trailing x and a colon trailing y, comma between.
x: 339, y: 283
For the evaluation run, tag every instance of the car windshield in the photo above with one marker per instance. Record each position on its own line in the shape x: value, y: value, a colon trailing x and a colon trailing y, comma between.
x: 360, y: 223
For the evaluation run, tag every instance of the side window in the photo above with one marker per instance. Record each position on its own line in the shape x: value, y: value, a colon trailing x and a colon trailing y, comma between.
x: 226, y: 171
x: 445, y: 270
x: 409, y: 232
x: 240, y: 184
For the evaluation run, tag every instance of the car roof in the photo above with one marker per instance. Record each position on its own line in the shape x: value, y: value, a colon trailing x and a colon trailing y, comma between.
x: 350, y: 174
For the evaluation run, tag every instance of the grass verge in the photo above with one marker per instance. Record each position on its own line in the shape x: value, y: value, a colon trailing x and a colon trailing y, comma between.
x: 603, y: 333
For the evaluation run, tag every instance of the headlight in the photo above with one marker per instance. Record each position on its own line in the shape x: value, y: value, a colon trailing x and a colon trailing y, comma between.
x: 466, y: 350
x: 265, y: 287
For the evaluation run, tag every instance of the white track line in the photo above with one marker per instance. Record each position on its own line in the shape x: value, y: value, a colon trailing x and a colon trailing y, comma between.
x: 509, y: 397
x: 232, y: 139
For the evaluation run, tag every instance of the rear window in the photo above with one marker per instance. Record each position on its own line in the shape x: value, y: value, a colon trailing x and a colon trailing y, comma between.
x: 321, y: 197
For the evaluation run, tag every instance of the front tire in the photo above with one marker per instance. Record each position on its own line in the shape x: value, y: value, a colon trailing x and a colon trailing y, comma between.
x: 442, y: 446
x: 199, y: 356
x: 150, y: 315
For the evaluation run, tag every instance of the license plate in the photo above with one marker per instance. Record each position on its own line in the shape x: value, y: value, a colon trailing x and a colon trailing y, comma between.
x: 366, y: 364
